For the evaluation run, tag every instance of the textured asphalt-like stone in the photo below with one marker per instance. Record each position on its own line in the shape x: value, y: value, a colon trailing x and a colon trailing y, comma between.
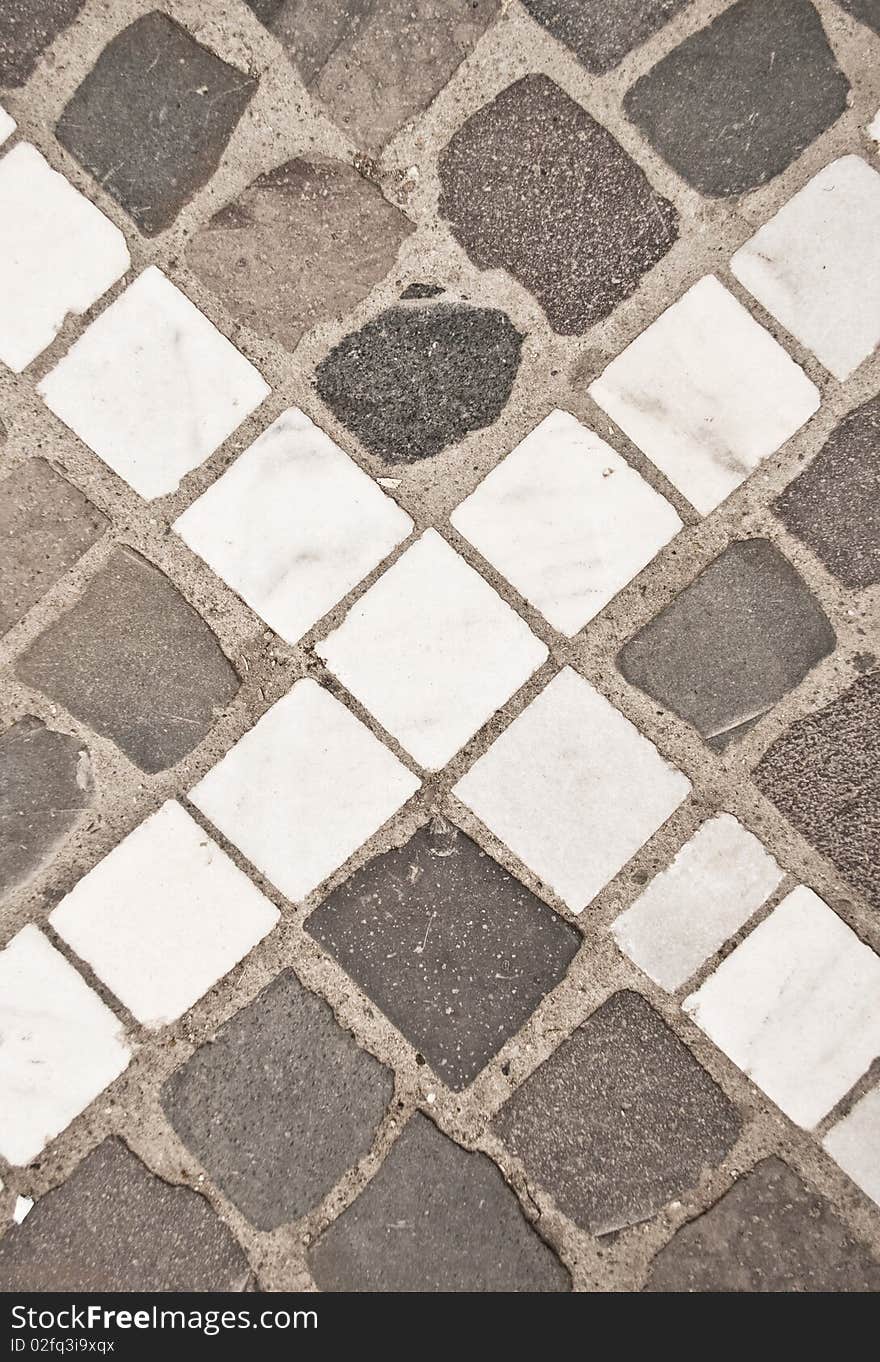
x: 27, y: 27
x: 600, y: 35
x: 45, y: 784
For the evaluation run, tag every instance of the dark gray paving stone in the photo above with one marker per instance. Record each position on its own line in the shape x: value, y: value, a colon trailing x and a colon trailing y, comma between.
x: 737, y: 102
x: 620, y: 1119
x: 434, y: 1218
x: 520, y: 180
x: 135, y: 662
x: 732, y: 643
x: 280, y: 1104
x: 153, y: 118
x: 45, y: 526
x: 374, y: 64
x: 834, y: 506
x: 114, y: 1226
x: 866, y: 11
x: 304, y: 243
x: 768, y: 1233
x: 421, y: 291
x: 453, y: 949
x: 45, y: 783
x: 823, y: 773
x: 27, y: 27
x: 416, y: 379
x: 602, y: 32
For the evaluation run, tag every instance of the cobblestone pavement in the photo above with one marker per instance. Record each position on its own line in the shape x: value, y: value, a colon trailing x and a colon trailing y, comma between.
x: 440, y: 728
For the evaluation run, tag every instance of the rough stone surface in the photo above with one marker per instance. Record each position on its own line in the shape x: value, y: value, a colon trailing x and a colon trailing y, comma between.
x: 866, y: 11
x: 305, y: 242
x: 834, y: 506
x: 45, y: 783
x: 765, y: 68
x: 153, y: 118
x: 280, y: 1104
x: 452, y: 948
x: 521, y: 178
x: 27, y: 27
x: 434, y: 1218
x: 113, y: 1226
x: 824, y: 774
x: 45, y: 526
x: 600, y: 35
x: 732, y: 643
x: 620, y: 1119
x: 768, y: 1233
x: 134, y: 661
x: 416, y: 379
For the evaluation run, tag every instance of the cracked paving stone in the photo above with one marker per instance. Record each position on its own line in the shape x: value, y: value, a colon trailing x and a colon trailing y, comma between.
x: 135, y: 662
x: 823, y: 773
x: 435, y: 1217
x: 834, y: 505
x: 374, y: 65
x: 620, y: 1119
x: 153, y: 118
x: 114, y: 1226
x: 416, y: 379
x: 520, y: 179
x: 735, y: 103
x: 600, y: 35
x: 768, y: 1233
x: 46, y: 525
x: 45, y: 784
x: 449, y: 945
x: 280, y: 1104
x: 27, y: 28
x: 731, y: 644
x: 302, y: 244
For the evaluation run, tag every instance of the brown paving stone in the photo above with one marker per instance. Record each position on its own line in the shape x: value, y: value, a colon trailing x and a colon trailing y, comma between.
x: 45, y: 783
x: 27, y: 27
x: 600, y: 34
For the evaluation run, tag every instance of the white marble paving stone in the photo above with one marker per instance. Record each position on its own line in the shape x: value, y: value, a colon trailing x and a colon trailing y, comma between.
x: 60, y: 1045
x: 572, y: 788
x: 58, y: 254
x: 566, y: 520
x: 796, y: 1006
x: 874, y: 127
x: 7, y: 124
x: 164, y: 916
x: 152, y: 386
x: 706, y: 393
x: 432, y: 650
x: 293, y: 525
x: 303, y: 789
x: 854, y: 1144
x: 814, y: 265
x: 718, y: 879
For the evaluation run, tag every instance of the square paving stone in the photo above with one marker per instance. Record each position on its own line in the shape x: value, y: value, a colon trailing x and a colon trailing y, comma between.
x: 27, y: 28
x: 813, y: 265
x: 280, y: 1104
x: 416, y: 379
x: 573, y: 788
x: 59, y: 1045
x: 375, y: 65
x: 45, y: 784
x: 432, y: 651
x: 718, y: 879
x: 114, y: 1226
x: 153, y: 118
x: 302, y: 244
x: 824, y: 775
x: 600, y: 35
x: 134, y: 661
x: 303, y: 789
x: 435, y: 1217
x: 731, y: 644
x: 620, y: 1119
x: 768, y: 1233
x: 520, y: 179
x: 451, y: 947
x: 706, y: 393
x: 46, y: 525
x: 566, y: 520
x: 855, y: 1141
x: 58, y: 254
x: 293, y: 525
x: 796, y: 1006
x: 163, y: 917
x: 738, y: 101
x: 152, y: 386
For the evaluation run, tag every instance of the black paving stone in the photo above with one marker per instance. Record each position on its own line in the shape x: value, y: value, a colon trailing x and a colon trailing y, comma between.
x: 45, y: 783
x: 600, y: 34
x: 27, y: 27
